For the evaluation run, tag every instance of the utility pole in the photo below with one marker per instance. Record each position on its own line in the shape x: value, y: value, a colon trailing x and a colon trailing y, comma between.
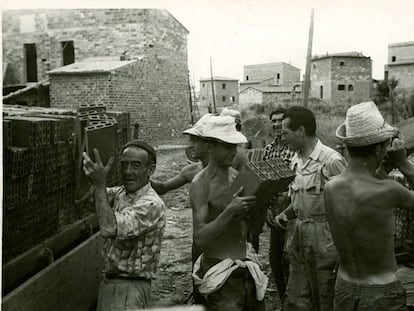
x: 308, y: 64
x: 212, y: 86
x: 191, y: 100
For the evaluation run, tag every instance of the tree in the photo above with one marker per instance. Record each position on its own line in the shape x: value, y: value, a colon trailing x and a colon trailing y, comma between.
x: 385, y: 90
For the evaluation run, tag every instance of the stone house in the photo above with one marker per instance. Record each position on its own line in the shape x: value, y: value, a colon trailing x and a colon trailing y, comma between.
x: 226, y: 92
x: 341, y: 77
x: 36, y: 42
x: 269, y: 74
x: 401, y: 65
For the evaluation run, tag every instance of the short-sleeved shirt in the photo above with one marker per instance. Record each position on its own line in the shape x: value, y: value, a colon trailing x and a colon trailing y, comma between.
x: 140, y: 219
x: 311, y: 175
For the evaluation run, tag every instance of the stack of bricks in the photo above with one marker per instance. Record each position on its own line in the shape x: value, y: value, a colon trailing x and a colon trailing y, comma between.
x: 404, y: 219
x: 40, y: 161
x: 39, y: 171
x: 122, y: 134
x: 263, y: 179
x: 106, y: 131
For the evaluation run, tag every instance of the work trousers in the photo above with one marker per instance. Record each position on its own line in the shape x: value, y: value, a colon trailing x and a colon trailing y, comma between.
x: 312, y: 267
x: 124, y: 295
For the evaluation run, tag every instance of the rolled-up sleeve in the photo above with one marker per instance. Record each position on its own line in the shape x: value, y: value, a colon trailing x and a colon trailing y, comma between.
x: 335, y: 166
x: 137, y: 218
x: 111, y: 193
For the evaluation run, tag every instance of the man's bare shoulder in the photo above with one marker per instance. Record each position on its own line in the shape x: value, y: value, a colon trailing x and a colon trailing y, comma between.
x: 337, y: 181
x: 191, y: 170
x: 370, y: 186
x: 200, y: 178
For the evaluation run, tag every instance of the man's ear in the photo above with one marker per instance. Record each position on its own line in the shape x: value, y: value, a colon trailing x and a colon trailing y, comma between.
x: 301, y: 131
x: 209, y: 145
x: 152, y: 168
x: 380, y: 149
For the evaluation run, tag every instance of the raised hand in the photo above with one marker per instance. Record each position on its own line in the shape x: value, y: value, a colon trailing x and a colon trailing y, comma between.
x: 96, y: 171
x: 240, y: 206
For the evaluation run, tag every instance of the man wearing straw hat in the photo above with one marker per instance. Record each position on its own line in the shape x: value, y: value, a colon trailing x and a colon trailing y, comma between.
x: 360, y: 210
x: 311, y: 252
x: 227, y: 272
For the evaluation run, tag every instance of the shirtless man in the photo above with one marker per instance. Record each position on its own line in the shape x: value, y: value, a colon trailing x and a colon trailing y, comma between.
x: 199, y: 152
x: 219, y: 228
x: 185, y: 176
x: 360, y: 210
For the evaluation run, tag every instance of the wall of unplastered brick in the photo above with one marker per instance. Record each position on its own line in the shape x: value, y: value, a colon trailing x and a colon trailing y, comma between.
x: 158, y: 97
x: 128, y: 88
x: 68, y: 91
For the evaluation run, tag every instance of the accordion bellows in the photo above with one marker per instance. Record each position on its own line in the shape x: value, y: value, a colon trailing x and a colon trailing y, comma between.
x: 264, y: 180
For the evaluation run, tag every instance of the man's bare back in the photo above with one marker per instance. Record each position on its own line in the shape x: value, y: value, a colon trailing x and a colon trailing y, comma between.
x: 362, y: 222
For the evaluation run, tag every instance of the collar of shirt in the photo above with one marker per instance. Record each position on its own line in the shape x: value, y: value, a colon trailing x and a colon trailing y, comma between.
x: 137, y: 193
x: 313, y: 156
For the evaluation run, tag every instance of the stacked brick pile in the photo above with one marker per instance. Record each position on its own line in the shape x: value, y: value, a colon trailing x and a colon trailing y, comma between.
x: 39, y: 175
x: 41, y: 156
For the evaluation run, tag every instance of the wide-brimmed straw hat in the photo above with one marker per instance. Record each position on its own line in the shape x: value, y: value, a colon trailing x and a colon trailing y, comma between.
x: 222, y: 128
x: 364, y: 126
x: 196, y: 129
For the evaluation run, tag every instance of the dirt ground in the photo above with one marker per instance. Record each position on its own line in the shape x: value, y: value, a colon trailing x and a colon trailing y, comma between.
x: 173, y: 284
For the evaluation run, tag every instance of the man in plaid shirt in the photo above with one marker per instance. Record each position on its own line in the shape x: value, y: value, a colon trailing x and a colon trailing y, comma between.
x: 278, y: 148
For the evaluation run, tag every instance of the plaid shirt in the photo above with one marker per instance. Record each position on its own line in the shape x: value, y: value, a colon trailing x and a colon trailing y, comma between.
x: 140, y: 218
x: 278, y: 149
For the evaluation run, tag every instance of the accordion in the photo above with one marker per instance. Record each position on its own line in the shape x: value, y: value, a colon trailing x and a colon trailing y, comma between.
x: 264, y: 180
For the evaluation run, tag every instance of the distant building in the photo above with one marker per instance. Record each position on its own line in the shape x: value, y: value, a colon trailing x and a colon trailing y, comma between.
x: 341, y: 77
x: 254, y: 95
x: 401, y: 65
x: 270, y: 74
x: 225, y: 92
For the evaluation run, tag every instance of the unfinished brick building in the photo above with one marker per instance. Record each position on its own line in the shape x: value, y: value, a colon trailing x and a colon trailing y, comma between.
x: 155, y: 88
x: 341, y: 77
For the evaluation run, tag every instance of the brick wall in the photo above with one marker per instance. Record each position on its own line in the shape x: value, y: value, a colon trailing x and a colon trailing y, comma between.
x: 68, y: 91
x: 355, y: 74
x: 128, y: 88
x: 250, y: 96
x: 272, y: 98
x: 155, y: 37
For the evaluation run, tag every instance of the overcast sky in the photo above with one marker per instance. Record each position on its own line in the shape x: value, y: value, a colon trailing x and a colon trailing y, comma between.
x: 241, y: 32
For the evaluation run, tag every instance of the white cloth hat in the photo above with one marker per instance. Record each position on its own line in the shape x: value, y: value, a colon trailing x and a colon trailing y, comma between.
x: 196, y: 130
x: 222, y: 128
x: 231, y: 113
x: 364, y: 126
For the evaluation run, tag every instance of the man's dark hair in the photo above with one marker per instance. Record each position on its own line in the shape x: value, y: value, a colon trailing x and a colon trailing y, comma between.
x: 300, y: 116
x: 152, y: 156
x: 364, y: 151
x: 277, y: 111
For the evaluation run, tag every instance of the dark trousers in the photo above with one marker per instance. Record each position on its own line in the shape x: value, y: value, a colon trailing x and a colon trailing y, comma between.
x: 388, y: 297
x: 277, y: 260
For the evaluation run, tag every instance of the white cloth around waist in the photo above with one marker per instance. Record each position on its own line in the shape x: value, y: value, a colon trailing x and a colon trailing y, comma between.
x: 218, y: 274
